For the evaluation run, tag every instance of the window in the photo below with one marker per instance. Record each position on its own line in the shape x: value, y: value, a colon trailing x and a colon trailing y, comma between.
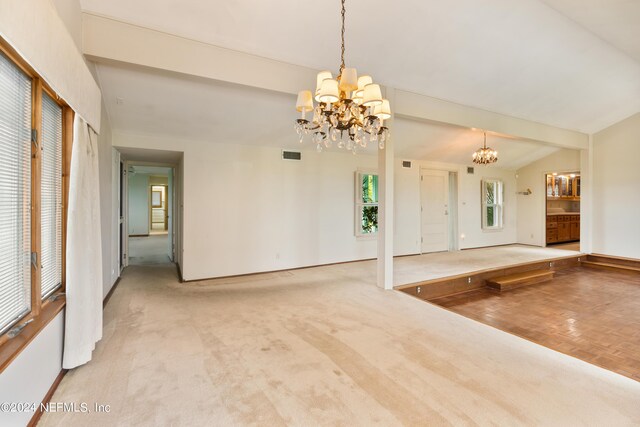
x: 492, y: 204
x: 51, y: 196
x: 15, y: 194
x: 35, y: 138
x: 366, y: 204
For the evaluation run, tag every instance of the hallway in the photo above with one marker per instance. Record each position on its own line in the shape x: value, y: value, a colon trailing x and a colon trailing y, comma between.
x: 321, y: 346
x: 149, y: 250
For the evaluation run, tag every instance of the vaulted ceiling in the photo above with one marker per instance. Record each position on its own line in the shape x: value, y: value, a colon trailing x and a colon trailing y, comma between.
x: 568, y: 63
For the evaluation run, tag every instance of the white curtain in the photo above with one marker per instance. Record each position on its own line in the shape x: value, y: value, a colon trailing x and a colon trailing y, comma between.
x: 83, y: 317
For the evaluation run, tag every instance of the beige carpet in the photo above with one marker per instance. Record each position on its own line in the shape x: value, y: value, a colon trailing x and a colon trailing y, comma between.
x: 322, y: 346
x: 413, y: 269
x: 149, y: 250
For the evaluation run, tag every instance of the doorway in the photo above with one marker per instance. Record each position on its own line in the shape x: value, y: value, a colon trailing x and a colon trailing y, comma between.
x: 148, y: 207
x: 562, y: 210
x: 438, y: 194
x: 159, y: 218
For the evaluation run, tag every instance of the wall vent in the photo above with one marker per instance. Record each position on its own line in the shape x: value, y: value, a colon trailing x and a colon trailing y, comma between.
x: 470, y: 170
x: 291, y: 155
x: 406, y: 164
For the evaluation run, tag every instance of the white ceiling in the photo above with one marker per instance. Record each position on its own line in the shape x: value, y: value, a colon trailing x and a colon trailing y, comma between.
x: 173, y: 105
x: 615, y: 21
x: 525, y: 58
x: 154, y: 102
x: 450, y: 144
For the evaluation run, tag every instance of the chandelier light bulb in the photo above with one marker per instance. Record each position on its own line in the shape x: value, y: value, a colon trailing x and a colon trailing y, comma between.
x: 329, y: 91
x: 349, y: 80
x: 322, y: 76
x: 372, y: 95
x: 382, y: 111
x: 304, y: 102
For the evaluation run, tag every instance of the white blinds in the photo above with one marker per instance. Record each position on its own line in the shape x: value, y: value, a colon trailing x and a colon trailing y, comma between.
x: 51, y: 196
x: 15, y: 193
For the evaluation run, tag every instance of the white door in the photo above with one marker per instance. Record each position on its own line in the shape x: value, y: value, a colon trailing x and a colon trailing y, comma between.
x: 434, y: 189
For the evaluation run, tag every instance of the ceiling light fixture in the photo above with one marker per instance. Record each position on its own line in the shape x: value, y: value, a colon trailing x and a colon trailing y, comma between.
x: 350, y: 109
x: 485, y: 155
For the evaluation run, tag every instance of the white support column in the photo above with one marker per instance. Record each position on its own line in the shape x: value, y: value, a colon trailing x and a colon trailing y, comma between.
x: 385, y: 205
x: 586, y: 198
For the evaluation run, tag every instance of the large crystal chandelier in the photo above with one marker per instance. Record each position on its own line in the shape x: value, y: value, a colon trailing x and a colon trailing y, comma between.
x: 485, y: 155
x: 350, y: 111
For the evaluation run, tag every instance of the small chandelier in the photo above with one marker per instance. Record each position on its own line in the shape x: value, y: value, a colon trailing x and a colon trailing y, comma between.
x: 350, y: 110
x: 485, y: 155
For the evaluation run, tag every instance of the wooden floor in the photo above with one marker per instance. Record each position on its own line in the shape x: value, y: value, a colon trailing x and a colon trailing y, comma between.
x: 593, y: 315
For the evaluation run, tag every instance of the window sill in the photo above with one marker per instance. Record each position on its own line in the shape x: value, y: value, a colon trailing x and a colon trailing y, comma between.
x: 372, y: 236
x: 10, y: 348
x: 492, y: 230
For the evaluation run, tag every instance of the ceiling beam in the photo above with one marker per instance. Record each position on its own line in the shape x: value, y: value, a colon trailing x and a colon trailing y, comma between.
x: 108, y: 40
x: 415, y: 106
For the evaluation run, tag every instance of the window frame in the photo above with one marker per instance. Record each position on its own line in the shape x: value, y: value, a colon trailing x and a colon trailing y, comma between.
x: 359, y: 204
x: 498, y: 205
x: 42, y: 310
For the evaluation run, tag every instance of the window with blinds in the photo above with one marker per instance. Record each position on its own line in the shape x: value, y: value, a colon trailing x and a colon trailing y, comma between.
x: 51, y: 196
x: 15, y: 193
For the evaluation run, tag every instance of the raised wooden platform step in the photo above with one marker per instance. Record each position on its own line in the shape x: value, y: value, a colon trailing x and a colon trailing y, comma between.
x: 512, y: 281
x: 610, y: 266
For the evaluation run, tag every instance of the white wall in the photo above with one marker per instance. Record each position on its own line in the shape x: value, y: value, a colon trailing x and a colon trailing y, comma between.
x: 532, y: 209
x: 69, y: 13
x: 406, y: 209
x: 105, y: 159
x: 28, y: 378
x: 245, y: 210
x: 138, y: 203
x: 616, y: 189
x: 469, y: 206
x: 114, y: 238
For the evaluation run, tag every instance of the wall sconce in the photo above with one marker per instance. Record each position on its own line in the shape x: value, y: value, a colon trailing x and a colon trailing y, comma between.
x: 525, y: 193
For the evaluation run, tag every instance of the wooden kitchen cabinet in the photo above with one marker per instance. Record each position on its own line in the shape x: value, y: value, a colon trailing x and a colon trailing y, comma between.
x: 575, y: 229
x: 564, y: 232
x: 563, y: 228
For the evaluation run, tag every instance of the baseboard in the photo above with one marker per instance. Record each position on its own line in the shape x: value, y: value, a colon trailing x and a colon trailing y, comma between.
x: 615, y: 262
x: 490, y: 246
x: 278, y: 271
x: 113, y: 288
x: 47, y: 398
x: 622, y: 260
x: 179, y: 272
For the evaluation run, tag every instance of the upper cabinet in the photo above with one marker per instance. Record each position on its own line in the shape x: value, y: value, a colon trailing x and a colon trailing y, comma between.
x: 563, y: 186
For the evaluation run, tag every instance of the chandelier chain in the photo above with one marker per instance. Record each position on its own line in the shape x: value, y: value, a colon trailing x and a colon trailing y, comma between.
x: 343, y: 12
